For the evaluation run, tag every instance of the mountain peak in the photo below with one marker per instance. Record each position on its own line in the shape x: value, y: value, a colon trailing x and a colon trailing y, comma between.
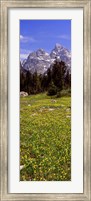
x: 58, y: 46
x: 40, y: 49
x: 41, y: 60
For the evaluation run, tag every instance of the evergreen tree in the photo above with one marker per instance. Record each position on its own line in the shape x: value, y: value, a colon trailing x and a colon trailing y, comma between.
x: 68, y: 80
x: 22, y: 81
x: 36, y: 83
x: 58, y: 74
x: 49, y: 76
x: 52, y: 89
x: 44, y: 83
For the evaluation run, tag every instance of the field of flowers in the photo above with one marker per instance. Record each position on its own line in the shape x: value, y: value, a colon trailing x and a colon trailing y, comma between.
x: 45, y: 138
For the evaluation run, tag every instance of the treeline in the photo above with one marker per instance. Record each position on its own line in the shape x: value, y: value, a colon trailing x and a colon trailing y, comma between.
x: 54, y: 80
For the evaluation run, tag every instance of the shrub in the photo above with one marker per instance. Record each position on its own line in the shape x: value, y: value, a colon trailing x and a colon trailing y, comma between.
x: 58, y: 94
x: 52, y: 90
x: 66, y: 92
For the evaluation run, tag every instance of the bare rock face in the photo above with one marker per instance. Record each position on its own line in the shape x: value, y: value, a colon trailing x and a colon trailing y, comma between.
x: 23, y: 93
x: 40, y: 60
x: 37, y: 61
x: 63, y: 54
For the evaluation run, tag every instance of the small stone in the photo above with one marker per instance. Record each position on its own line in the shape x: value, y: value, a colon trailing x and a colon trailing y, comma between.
x: 67, y: 109
x: 51, y: 109
x: 34, y: 114
x: 40, y: 110
x: 53, y: 101
x: 23, y: 93
x: 21, y: 167
x: 68, y: 116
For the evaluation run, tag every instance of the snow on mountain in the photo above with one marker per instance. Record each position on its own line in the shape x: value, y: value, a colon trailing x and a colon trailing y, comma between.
x: 40, y: 60
x: 62, y: 53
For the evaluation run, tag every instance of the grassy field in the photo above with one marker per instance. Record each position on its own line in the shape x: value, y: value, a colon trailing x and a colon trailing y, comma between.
x: 45, y: 138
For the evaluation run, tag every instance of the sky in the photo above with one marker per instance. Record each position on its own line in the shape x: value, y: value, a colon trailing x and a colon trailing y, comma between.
x: 35, y: 34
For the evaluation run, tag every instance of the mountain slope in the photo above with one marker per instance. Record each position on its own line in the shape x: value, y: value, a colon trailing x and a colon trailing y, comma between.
x: 40, y: 60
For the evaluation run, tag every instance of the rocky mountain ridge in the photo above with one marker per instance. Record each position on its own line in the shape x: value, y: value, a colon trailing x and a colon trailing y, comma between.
x: 40, y: 60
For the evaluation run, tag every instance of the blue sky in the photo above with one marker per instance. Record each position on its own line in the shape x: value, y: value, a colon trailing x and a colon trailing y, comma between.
x: 35, y: 34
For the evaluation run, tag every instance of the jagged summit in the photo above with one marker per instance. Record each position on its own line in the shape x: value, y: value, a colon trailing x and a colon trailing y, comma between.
x: 41, y: 60
x: 58, y: 46
x: 41, y: 51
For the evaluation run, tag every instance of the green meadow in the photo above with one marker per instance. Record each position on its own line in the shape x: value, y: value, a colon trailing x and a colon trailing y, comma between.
x: 45, y: 138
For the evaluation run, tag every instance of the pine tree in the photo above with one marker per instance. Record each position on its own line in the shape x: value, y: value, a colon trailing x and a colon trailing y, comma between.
x: 22, y: 81
x: 68, y: 80
x: 58, y: 74
x: 52, y: 90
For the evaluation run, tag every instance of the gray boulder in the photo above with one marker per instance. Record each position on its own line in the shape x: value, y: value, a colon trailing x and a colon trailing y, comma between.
x: 23, y: 93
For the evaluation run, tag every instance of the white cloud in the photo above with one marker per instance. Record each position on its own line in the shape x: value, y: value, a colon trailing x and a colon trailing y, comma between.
x: 24, y: 54
x: 25, y: 51
x: 66, y: 37
x: 25, y: 39
x: 21, y: 37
